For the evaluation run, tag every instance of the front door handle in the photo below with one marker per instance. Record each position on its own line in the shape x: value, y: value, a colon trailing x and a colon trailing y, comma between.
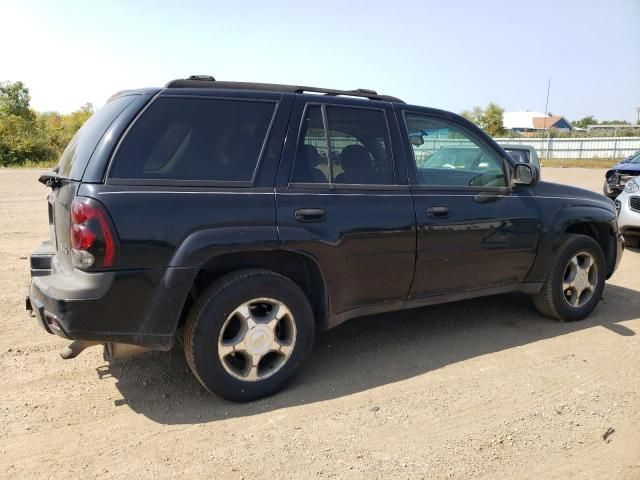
x: 438, y: 212
x: 309, y: 215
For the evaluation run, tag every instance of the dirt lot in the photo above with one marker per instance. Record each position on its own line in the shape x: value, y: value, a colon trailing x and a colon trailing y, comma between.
x: 478, y: 389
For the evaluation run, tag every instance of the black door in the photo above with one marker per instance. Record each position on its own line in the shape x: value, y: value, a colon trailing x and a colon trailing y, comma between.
x: 474, y: 230
x: 343, y: 200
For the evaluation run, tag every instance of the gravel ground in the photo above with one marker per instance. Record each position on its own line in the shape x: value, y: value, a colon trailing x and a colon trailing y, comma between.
x: 478, y: 389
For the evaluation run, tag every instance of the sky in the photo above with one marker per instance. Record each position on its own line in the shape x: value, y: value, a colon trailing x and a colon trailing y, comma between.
x: 444, y: 54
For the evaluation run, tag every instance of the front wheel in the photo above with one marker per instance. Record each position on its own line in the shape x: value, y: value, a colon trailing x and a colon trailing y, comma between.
x: 575, y: 282
x: 248, y: 334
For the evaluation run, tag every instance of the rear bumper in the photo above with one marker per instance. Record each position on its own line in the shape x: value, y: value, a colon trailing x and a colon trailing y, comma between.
x: 628, y: 219
x: 139, y: 307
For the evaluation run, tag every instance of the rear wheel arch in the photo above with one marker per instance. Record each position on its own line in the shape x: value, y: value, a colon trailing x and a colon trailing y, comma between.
x: 298, y: 267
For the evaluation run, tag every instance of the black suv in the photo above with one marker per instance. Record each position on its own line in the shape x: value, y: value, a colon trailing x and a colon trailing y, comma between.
x: 242, y: 217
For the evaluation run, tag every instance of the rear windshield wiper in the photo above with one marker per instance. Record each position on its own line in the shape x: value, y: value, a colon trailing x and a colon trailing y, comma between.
x: 52, y: 179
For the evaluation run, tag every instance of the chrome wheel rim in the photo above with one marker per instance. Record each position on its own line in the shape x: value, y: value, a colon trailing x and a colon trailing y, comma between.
x: 580, y: 279
x: 257, y: 339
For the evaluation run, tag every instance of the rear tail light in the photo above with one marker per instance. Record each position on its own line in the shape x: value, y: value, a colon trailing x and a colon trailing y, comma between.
x: 93, y: 238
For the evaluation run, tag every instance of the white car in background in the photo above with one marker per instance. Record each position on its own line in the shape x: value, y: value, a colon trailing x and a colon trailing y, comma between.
x: 628, y: 208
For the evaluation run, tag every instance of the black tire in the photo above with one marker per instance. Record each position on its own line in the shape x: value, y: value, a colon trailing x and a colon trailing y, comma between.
x: 550, y: 301
x: 208, y: 315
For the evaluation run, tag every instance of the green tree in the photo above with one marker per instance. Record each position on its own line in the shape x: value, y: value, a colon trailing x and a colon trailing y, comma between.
x: 491, y: 120
x: 614, y: 122
x: 29, y: 136
x: 22, y: 140
x: 584, y: 122
x: 15, y: 100
x: 474, y: 115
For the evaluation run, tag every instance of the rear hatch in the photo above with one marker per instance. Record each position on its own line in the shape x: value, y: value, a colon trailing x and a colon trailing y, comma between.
x: 65, y: 179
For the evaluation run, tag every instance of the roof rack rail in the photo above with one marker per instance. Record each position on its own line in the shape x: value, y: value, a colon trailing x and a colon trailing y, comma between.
x: 207, y: 81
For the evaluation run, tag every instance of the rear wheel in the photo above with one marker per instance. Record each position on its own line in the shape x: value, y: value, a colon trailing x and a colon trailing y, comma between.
x: 576, y: 280
x: 248, y: 334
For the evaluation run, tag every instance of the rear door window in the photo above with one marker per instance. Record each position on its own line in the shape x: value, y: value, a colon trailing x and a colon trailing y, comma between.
x: 344, y: 145
x: 195, y: 139
x: 75, y: 157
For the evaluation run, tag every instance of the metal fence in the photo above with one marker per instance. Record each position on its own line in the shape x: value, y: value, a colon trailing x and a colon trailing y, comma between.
x: 611, y: 147
x: 579, y: 148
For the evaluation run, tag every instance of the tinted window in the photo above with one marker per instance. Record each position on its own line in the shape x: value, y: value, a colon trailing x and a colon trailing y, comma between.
x: 195, y: 139
x: 358, y: 151
x: 519, y: 156
x: 312, y: 165
x: 447, y: 155
x: 75, y: 157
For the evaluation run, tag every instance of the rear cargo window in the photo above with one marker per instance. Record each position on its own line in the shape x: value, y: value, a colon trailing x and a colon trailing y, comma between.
x: 195, y: 139
x: 75, y: 157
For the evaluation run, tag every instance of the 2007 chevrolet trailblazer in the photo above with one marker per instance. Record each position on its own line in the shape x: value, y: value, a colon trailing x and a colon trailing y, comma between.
x: 242, y: 217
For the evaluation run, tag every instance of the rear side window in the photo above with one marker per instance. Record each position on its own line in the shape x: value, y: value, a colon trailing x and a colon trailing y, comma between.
x: 195, y: 139
x: 75, y: 157
x: 344, y: 145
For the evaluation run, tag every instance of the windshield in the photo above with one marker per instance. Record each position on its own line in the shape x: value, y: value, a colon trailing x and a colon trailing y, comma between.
x: 518, y: 155
x: 635, y: 159
x: 75, y: 157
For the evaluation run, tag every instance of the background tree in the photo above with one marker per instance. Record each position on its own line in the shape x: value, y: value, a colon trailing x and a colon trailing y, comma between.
x: 27, y: 136
x: 489, y: 118
x: 15, y: 100
x: 584, y: 122
x: 474, y: 115
x: 614, y: 122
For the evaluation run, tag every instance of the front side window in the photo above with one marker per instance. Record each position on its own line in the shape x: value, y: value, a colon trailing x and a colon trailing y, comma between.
x: 447, y: 155
x: 344, y: 145
x: 195, y: 139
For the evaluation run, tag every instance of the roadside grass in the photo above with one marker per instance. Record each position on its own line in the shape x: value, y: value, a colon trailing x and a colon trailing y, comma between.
x: 33, y: 164
x: 579, y: 162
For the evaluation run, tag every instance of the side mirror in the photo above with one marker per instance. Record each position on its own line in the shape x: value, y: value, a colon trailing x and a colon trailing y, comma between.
x: 523, y: 174
x: 417, y: 140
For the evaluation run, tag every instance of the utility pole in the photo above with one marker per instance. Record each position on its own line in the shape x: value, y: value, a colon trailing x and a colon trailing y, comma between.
x: 546, y: 115
x: 638, y: 112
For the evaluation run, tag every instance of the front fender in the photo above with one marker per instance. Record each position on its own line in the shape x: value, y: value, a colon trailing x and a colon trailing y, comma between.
x: 558, y: 221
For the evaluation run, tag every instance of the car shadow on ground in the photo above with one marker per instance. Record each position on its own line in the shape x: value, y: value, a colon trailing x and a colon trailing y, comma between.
x: 364, y: 353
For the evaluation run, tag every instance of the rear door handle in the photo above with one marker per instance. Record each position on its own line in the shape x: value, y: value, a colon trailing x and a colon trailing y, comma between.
x: 309, y: 215
x: 438, y: 212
